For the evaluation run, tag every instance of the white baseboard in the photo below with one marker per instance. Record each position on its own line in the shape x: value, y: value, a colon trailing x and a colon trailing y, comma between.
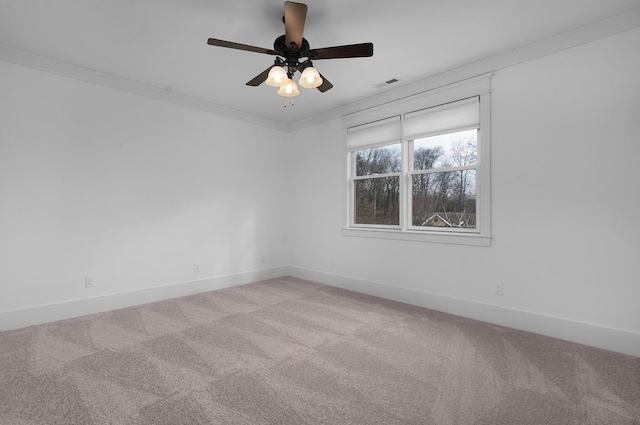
x: 593, y: 335
x: 584, y: 333
x: 15, y: 319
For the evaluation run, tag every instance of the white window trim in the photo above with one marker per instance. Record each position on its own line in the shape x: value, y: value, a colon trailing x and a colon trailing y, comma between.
x: 478, y: 86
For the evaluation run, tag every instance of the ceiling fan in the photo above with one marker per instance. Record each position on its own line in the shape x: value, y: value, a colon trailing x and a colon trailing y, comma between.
x: 293, y: 53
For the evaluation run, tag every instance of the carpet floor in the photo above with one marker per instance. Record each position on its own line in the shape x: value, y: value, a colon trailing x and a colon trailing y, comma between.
x: 288, y: 351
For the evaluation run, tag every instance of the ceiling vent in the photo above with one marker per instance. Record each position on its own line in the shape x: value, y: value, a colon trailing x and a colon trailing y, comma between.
x: 386, y: 83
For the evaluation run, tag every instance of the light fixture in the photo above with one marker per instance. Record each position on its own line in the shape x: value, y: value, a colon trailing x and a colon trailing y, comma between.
x: 281, y: 75
x: 310, y: 78
x: 277, y: 77
x: 290, y: 89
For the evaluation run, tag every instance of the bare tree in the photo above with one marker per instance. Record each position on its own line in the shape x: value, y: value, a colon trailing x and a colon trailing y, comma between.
x: 447, y: 194
x: 378, y: 198
x: 423, y: 184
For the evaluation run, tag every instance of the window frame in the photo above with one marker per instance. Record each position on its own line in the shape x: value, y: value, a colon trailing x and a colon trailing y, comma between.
x: 479, y: 236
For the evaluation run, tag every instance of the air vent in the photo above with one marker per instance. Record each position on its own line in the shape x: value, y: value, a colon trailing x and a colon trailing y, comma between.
x: 386, y: 83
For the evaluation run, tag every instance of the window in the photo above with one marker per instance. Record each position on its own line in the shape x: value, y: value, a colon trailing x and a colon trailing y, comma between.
x: 377, y: 167
x: 422, y: 174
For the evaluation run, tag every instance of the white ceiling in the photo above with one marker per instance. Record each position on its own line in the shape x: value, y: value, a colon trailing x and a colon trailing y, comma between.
x: 162, y: 43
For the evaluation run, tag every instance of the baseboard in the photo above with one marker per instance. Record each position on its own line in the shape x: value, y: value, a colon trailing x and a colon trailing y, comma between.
x: 75, y: 308
x: 593, y: 335
x: 583, y: 333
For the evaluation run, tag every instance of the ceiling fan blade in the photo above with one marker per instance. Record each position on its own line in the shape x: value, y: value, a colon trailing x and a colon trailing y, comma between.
x: 326, y: 85
x: 260, y: 78
x: 362, y: 50
x: 239, y: 46
x: 294, y: 16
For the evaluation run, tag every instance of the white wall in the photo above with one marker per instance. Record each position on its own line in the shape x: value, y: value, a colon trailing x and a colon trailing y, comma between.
x: 133, y: 191
x: 565, y: 202
x: 130, y: 190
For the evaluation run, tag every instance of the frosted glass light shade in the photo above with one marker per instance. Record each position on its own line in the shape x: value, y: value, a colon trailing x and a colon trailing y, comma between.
x: 310, y: 78
x: 290, y: 89
x: 277, y: 77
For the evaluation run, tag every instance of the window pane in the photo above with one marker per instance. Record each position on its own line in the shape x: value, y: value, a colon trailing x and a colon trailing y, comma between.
x: 379, y: 160
x: 445, y: 199
x: 377, y: 201
x: 446, y: 150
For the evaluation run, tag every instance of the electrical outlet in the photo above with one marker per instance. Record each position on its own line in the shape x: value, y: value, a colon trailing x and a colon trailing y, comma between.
x: 196, y: 268
x: 263, y: 258
x: 89, y: 282
x: 499, y: 289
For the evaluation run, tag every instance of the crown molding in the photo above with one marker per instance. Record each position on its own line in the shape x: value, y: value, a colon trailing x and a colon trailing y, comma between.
x: 582, y: 35
x: 604, y: 28
x: 42, y: 63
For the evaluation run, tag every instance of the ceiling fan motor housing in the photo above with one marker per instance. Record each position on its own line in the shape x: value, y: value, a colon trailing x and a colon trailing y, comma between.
x: 291, y: 55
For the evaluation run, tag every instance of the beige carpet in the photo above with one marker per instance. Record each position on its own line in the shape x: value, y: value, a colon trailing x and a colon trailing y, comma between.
x: 288, y: 351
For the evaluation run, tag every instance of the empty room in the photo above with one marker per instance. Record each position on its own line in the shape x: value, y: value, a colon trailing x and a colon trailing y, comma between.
x: 270, y: 212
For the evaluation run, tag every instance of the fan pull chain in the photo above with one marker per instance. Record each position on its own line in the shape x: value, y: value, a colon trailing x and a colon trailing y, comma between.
x: 285, y: 101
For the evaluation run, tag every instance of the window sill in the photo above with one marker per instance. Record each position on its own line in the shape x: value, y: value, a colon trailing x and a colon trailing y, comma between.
x: 432, y: 237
